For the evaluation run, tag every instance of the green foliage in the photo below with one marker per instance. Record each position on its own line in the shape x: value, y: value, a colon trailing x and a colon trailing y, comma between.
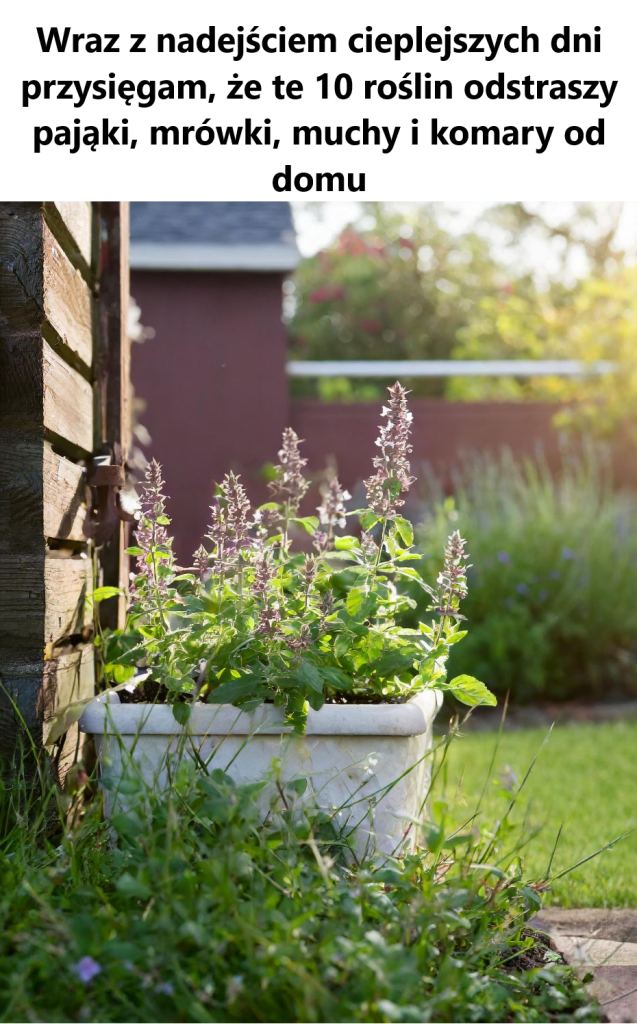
x: 256, y: 621
x: 398, y: 285
x: 551, y: 608
x: 593, y: 320
x: 202, y: 911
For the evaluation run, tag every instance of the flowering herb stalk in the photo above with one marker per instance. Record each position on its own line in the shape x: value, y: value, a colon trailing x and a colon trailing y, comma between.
x: 256, y: 621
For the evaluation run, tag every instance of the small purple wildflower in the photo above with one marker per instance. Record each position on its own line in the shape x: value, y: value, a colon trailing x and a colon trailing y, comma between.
x: 522, y: 589
x: 86, y: 969
x: 543, y: 594
x: 554, y: 574
x: 568, y: 554
x: 504, y: 557
x: 508, y: 779
x: 166, y: 988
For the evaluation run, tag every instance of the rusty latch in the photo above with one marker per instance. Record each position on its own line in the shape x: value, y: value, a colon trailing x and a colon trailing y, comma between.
x: 106, y: 481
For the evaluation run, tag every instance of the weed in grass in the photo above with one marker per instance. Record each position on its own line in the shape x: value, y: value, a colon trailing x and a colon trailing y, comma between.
x: 201, y: 910
x: 583, y: 785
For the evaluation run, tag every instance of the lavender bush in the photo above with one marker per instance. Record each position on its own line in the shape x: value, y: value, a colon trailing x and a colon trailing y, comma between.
x: 253, y: 620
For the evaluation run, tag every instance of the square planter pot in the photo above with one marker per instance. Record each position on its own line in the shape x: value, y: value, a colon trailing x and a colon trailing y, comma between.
x: 356, y: 757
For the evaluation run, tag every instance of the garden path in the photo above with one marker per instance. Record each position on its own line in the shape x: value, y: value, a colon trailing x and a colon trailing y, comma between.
x: 603, y: 942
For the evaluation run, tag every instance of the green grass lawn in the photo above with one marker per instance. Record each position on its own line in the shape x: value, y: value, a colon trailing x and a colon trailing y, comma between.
x: 585, y: 777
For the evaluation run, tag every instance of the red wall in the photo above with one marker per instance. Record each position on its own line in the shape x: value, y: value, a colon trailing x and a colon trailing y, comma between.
x: 213, y: 379
x: 442, y: 432
x: 217, y: 399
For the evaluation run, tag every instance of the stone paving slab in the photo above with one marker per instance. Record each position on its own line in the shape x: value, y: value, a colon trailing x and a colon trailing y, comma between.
x: 615, y: 988
x: 618, y: 925
x: 580, y: 951
x: 603, y: 942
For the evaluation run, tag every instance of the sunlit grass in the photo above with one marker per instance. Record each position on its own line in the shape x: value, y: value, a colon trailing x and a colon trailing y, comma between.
x: 585, y: 778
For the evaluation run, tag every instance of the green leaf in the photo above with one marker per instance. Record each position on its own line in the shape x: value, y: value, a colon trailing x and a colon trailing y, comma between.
x: 456, y: 637
x: 296, y: 712
x: 103, y: 593
x: 120, y: 673
x: 342, y: 645
x: 128, y: 885
x: 408, y: 573
x: 355, y: 600
x: 315, y: 699
x: 346, y: 543
x: 298, y: 786
x: 127, y: 826
x: 395, y: 662
x: 309, y: 523
x: 308, y: 675
x: 359, y: 604
x: 471, y: 691
x: 344, y: 556
x: 233, y: 690
x: 335, y: 678
x: 405, y: 529
x: 134, y: 551
x: 181, y: 712
x: 368, y: 519
x: 163, y: 520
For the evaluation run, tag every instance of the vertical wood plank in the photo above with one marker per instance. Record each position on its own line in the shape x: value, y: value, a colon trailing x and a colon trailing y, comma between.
x: 54, y: 350
x: 77, y: 221
x: 64, y: 498
x: 21, y: 485
x: 67, y: 300
x: 46, y: 394
x: 114, y: 381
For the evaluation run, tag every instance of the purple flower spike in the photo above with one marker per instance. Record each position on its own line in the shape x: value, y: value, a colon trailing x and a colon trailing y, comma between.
x: 393, y: 471
x: 86, y: 969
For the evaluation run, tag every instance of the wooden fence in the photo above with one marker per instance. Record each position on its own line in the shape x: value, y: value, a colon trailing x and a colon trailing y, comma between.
x: 63, y: 387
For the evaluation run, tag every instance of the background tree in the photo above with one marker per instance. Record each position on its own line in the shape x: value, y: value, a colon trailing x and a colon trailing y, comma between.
x: 395, y: 285
x: 551, y: 281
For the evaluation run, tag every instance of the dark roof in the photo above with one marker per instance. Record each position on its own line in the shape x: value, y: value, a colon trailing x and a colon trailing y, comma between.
x: 212, y: 223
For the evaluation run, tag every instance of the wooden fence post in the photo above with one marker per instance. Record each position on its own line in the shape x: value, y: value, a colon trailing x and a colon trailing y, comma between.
x: 49, y: 330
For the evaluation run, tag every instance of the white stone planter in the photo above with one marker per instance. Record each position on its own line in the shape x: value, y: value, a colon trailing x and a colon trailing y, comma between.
x: 354, y: 756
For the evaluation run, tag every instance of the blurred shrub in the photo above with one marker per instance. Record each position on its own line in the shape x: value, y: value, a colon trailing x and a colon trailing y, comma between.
x: 552, y: 605
x: 395, y: 285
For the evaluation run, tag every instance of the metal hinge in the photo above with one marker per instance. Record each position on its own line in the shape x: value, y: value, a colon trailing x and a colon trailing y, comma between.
x: 106, y: 477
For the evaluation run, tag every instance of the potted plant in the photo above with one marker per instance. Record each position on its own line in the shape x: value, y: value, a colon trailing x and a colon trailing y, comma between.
x: 260, y: 653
